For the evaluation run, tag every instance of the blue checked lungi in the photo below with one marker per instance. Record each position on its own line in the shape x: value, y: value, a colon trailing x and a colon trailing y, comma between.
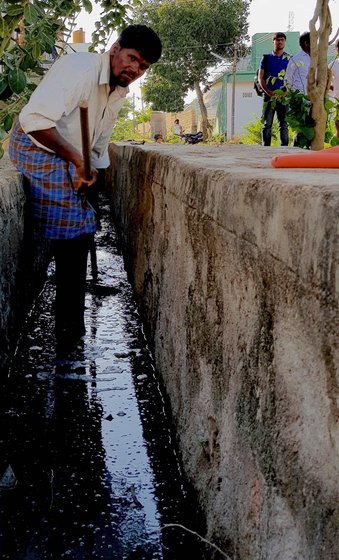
x: 58, y: 210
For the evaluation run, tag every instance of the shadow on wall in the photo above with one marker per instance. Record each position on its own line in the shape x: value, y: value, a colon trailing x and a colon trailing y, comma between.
x: 24, y: 258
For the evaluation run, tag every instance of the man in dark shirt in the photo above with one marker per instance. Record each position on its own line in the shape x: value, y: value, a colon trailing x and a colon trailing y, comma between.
x: 271, y: 77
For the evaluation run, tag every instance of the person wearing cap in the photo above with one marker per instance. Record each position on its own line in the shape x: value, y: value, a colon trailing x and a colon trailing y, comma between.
x: 46, y: 148
x: 271, y: 78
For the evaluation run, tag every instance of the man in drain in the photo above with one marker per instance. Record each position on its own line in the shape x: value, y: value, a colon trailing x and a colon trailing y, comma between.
x: 45, y: 147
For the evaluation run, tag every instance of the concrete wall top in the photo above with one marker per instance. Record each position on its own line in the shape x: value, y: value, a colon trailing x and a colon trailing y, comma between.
x: 248, y: 161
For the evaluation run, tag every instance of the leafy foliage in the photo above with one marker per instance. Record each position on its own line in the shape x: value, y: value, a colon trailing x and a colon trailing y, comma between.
x: 125, y: 127
x: 172, y: 138
x: 332, y: 110
x: 165, y: 93
x: 299, y: 114
x: 254, y: 132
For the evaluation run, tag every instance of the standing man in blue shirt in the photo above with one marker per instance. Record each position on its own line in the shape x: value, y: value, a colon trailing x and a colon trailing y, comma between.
x: 271, y: 77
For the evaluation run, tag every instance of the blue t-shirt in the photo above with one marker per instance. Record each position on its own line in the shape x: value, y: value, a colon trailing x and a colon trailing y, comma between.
x: 274, y: 70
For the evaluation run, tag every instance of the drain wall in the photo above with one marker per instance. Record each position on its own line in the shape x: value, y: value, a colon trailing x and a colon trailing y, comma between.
x: 23, y: 261
x: 234, y: 267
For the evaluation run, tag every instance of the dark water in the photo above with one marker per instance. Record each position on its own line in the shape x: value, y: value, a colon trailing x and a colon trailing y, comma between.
x: 86, y: 442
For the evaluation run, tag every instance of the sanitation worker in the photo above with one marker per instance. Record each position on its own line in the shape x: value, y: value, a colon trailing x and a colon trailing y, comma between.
x: 45, y: 146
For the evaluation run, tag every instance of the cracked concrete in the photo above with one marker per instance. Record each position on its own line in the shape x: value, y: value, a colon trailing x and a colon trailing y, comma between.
x: 236, y: 272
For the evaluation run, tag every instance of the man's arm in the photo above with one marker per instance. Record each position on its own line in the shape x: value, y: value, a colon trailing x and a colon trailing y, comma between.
x: 262, y: 83
x: 289, y: 75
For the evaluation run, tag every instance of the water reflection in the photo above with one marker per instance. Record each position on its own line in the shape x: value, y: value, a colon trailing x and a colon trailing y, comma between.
x: 89, y: 440
x: 66, y: 502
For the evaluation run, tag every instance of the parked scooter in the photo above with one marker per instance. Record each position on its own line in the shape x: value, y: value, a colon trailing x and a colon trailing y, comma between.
x: 193, y: 138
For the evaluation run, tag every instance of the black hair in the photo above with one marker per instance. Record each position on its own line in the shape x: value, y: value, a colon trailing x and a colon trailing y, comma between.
x: 279, y: 35
x: 337, y: 44
x: 304, y: 38
x: 143, y: 39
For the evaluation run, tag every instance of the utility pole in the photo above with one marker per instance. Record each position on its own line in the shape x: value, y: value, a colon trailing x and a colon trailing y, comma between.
x: 133, y: 111
x: 142, y: 109
x: 234, y: 73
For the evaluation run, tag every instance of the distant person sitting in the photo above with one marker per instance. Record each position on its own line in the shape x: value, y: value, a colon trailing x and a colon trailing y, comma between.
x: 177, y: 128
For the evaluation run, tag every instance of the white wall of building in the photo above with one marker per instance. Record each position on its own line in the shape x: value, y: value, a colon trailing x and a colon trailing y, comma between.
x: 247, y: 103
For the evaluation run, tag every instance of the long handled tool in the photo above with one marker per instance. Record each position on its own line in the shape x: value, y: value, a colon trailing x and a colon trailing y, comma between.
x: 86, y: 154
x: 95, y: 287
x: 86, y: 146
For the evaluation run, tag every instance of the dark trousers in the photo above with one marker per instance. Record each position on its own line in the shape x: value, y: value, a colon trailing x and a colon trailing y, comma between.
x: 268, y: 116
x: 70, y: 270
x: 93, y: 194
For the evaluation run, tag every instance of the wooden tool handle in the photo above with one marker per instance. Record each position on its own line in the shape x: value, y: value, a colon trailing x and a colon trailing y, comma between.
x: 86, y: 145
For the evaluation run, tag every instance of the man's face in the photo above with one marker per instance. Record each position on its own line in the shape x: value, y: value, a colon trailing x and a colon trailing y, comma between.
x: 127, y: 65
x: 279, y: 43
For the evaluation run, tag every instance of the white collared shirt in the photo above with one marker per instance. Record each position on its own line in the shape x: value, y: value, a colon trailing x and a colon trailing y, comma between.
x: 297, y: 71
x: 335, y: 78
x: 55, y: 102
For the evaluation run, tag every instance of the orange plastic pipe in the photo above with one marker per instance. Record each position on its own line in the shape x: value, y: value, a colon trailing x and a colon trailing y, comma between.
x: 334, y: 149
x: 328, y: 158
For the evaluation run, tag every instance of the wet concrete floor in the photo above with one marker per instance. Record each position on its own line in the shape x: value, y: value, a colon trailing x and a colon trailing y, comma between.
x: 88, y: 462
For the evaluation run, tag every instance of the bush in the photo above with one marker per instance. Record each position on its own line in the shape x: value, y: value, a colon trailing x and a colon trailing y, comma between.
x: 125, y: 130
x: 174, y: 139
x: 253, y: 129
x: 216, y: 139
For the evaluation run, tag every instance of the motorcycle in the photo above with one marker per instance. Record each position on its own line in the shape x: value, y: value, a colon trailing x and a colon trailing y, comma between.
x: 193, y: 138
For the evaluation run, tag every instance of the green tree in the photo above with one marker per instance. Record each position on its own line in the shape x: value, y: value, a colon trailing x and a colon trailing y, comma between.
x: 31, y: 28
x: 318, y: 76
x: 192, y: 32
x: 128, y: 118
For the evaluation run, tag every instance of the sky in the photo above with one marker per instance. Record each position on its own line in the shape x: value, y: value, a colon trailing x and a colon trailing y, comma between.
x: 266, y: 16
x: 275, y: 15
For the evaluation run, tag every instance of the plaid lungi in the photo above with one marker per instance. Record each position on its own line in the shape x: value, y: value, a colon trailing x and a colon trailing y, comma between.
x: 58, y: 210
